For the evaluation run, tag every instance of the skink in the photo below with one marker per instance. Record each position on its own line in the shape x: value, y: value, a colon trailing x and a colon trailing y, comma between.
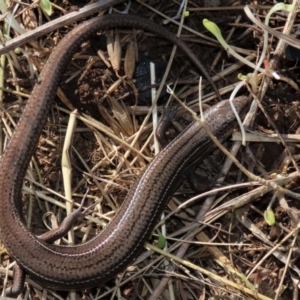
x: 94, y: 262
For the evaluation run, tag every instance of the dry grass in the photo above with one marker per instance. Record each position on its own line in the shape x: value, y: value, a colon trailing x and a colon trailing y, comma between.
x: 218, y: 243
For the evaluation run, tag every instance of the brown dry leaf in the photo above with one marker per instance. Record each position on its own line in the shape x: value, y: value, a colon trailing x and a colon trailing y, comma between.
x: 122, y: 115
x: 29, y: 20
x: 112, y: 123
x: 260, y: 275
x: 129, y: 64
x: 114, y: 86
x: 114, y: 50
x: 101, y: 54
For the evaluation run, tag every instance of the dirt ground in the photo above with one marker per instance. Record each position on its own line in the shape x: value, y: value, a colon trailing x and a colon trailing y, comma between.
x: 224, y: 246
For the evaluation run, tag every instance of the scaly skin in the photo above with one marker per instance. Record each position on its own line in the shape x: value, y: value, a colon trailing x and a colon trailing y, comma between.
x: 89, y: 264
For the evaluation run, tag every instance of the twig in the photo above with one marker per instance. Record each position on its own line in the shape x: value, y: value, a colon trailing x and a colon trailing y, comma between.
x: 58, y: 23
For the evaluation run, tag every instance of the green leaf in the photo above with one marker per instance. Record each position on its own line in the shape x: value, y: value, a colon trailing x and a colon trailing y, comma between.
x: 161, y: 240
x: 269, y: 217
x: 46, y: 7
x: 212, y: 27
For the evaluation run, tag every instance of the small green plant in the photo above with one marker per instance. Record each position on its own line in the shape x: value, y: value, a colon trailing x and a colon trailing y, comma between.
x: 161, y: 240
x: 252, y: 78
x: 46, y: 7
x: 269, y: 216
